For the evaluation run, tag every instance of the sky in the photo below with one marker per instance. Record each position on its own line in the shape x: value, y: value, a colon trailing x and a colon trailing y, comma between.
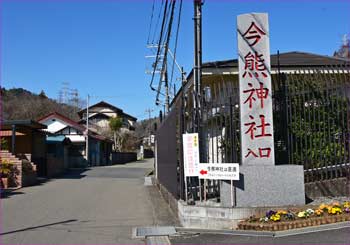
x: 99, y: 47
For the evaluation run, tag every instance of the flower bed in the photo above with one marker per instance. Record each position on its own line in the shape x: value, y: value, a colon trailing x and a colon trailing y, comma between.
x: 285, y: 219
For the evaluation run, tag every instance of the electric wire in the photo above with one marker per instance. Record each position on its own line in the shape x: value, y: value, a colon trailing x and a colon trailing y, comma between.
x: 159, y: 43
x: 150, y: 23
x: 176, y: 40
x: 166, y: 46
x: 157, y: 23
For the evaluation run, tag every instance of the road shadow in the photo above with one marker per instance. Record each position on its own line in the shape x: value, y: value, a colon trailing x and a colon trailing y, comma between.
x: 36, y: 227
x: 7, y: 194
x: 74, y: 173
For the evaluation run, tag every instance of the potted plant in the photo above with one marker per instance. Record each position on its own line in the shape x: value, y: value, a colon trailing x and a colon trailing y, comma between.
x: 5, y: 171
x: 8, y: 173
x: 3, y: 144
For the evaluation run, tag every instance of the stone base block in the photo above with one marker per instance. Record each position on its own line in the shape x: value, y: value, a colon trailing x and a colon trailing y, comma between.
x: 266, y: 186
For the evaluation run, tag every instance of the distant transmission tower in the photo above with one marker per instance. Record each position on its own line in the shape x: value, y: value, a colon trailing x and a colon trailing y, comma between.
x: 68, y: 96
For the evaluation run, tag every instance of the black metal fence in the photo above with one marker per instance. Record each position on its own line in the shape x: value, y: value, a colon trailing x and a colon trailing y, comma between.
x: 311, y: 124
x: 318, y: 113
x: 169, y: 153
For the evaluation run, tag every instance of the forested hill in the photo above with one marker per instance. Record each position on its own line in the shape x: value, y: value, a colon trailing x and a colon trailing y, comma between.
x: 20, y: 104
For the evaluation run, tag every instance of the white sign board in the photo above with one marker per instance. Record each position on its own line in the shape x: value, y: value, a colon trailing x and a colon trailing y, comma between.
x: 219, y: 171
x: 255, y: 89
x: 191, y: 154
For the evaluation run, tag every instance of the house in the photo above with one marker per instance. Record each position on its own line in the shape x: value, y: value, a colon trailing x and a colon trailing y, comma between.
x: 57, y: 147
x: 26, y: 140
x: 100, y: 113
x: 99, y: 147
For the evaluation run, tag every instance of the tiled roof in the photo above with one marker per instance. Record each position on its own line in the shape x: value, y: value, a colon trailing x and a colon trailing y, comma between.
x: 105, y: 105
x: 290, y: 59
x: 69, y: 121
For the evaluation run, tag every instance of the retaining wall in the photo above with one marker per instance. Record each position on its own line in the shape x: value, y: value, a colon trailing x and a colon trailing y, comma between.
x: 123, y: 157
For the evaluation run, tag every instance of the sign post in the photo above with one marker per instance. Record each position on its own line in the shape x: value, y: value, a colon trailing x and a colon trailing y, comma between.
x: 220, y: 171
x: 191, y: 156
x: 255, y: 92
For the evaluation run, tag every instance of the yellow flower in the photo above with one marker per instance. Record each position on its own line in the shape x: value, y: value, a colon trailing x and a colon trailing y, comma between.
x: 323, y: 206
x: 281, y: 212
x: 302, y: 214
x: 275, y: 217
x: 335, y: 210
x: 318, y: 212
x: 346, y: 204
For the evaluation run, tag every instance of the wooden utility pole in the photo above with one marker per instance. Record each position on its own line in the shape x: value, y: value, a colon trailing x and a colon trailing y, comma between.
x: 197, y: 70
x: 149, y: 111
x: 87, y: 130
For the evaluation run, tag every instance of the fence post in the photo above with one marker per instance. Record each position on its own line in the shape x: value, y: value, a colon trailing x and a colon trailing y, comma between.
x: 286, y: 115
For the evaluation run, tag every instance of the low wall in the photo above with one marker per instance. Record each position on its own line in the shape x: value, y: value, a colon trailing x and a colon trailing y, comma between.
x: 147, y: 153
x: 205, y: 217
x: 55, y: 166
x: 209, y: 217
x: 328, y: 188
x: 29, y: 178
x: 77, y: 162
x: 123, y: 157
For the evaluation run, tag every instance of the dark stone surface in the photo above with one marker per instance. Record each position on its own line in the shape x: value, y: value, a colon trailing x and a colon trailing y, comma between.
x: 339, y: 187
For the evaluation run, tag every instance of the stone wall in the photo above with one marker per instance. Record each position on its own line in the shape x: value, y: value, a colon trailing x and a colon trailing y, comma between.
x: 7, y: 156
x: 55, y: 166
x: 123, y: 157
x: 328, y: 188
x: 26, y: 170
x: 29, y: 173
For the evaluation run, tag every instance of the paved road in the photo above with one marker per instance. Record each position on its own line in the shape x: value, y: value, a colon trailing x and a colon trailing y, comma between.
x: 340, y: 236
x: 97, y: 206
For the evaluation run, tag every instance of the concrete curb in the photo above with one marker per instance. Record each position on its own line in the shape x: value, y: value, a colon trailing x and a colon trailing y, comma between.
x: 158, y: 240
x: 291, y: 232
x: 152, y: 231
x: 226, y: 232
x: 149, y: 173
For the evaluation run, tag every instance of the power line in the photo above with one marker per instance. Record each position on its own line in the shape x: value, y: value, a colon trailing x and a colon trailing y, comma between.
x: 164, y: 67
x: 150, y: 23
x: 176, y: 39
x: 159, y: 43
x: 156, y: 27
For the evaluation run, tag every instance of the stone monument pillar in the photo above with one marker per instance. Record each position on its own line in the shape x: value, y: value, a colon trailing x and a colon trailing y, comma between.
x: 261, y: 183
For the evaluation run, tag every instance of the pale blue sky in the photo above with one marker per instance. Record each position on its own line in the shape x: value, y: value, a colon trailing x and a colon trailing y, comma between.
x: 99, y: 46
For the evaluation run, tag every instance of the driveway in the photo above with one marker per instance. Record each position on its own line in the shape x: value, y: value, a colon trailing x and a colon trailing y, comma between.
x: 97, y: 206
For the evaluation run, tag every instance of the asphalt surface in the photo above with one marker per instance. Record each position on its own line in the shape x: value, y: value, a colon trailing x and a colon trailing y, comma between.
x: 341, y: 236
x: 97, y: 206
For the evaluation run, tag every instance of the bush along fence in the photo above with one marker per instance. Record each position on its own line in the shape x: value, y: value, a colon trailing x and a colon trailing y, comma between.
x: 318, y: 115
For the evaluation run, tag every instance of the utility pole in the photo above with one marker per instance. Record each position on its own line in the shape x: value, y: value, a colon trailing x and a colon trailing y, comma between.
x: 149, y: 127
x: 197, y: 62
x: 87, y: 130
x: 166, y: 84
x: 197, y: 72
